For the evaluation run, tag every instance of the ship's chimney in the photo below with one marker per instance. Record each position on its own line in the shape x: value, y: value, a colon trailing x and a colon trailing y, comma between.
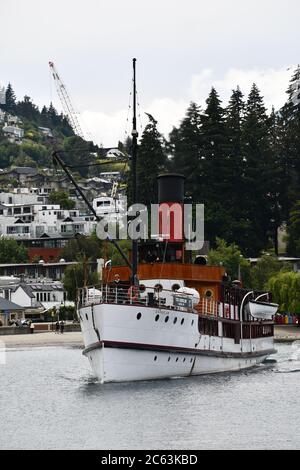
x: 170, y: 188
x: 170, y: 200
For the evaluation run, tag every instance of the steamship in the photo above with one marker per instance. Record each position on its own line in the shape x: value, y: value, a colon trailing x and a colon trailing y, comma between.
x: 182, y: 318
x: 162, y: 315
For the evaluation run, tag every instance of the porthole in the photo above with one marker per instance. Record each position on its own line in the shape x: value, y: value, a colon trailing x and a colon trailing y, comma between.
x: 166, y: 319
x: 155, y: 358
x: 175, y: 320
x: 86, y: 316
x: 142, y: 288
x: 139, y: 315
x: 176, y: 359
x: 192, y: 323
x: 208, y: 293
x: 158, y: 288
x: 169, y: 359
x: 175, y: 287
x: 191, y: 360
x: 184, y: 359
x: 182, y: 321
x: 195, y: 345
x: 157, y: 317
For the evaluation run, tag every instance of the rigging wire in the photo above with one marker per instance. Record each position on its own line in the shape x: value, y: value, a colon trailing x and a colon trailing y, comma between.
x: 126, y: 133
x: 139, y: 113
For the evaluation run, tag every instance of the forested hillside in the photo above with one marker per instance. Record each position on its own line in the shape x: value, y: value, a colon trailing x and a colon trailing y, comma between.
x: 35, y: 148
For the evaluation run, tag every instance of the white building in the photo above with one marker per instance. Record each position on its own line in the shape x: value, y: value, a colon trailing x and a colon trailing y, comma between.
x: 13, y: 133
x: 42, y: 295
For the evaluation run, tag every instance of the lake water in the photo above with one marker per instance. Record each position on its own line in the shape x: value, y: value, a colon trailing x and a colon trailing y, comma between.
x: 50, y: 400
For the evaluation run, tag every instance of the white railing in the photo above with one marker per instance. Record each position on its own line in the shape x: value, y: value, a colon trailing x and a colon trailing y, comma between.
x: 107, y: 293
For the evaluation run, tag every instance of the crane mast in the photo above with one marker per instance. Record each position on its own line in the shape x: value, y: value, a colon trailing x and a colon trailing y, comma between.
x: 66, y: 102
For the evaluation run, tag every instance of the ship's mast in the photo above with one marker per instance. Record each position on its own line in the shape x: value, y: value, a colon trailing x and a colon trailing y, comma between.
x: 134, y: 134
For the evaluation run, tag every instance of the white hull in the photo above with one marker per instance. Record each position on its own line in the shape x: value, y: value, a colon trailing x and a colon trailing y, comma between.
x: 121, y: 347
x: 122, y: 365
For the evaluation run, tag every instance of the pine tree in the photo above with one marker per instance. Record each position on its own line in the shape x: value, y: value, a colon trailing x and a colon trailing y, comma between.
x: 185, y: 147
x: 289, y: 137
x: 10, y: 100
x: 254, y: 199
x: 276, y: 174
x: 216, y: 187
x: 214, y: 150
x: 234, y: 116
x: 150, y: 162
x: 27, y: 109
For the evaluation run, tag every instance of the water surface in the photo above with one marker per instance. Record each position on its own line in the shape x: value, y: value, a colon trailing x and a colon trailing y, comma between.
x: 50, y: 400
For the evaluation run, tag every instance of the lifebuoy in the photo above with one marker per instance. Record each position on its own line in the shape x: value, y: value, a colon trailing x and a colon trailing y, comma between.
x: 133, y: 293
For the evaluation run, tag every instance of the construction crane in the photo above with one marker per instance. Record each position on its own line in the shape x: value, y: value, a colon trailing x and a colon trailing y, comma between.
x: 66, y: 102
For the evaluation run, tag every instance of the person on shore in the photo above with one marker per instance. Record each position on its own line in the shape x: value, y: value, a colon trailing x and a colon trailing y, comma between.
x: 62, y: 326
x: 57, y: 327
x: 31, y: 328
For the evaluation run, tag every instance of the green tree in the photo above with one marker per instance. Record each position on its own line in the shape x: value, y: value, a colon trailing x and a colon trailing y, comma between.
x: 150, y: 162
x: 234, y: 115
x: 10, y: 100
x: 285, y: 289
x: 230, y: 256
x: 254, y: 202
x: 82, y: 246
x: 77, y: 276
x: 114, y: 255
x: 185, y: 148
x: 216, y: 186
x: 293, y: 231
x: 27, y: 109
x: 267, y: 266
x: 12, y: 252
x: 77, y: 153
x: 62, y: 198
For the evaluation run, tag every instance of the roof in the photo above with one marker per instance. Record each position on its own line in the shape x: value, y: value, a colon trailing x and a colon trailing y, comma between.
x: 26, y: 288
x: 8, y: 305
x: 40, y: 286
x: 25, y: 170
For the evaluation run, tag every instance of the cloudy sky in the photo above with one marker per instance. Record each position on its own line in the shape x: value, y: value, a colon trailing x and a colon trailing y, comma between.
x: 182, y: 49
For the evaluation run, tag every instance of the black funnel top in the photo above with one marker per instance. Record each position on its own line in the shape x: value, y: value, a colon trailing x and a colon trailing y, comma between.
x: 170, y: 188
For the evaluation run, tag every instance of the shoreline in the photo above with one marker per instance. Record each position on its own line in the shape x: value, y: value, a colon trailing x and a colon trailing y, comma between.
x: 42, y: 339
x: 283, y: 334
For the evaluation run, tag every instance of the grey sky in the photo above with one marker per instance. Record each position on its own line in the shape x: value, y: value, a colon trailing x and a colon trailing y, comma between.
x: 182, y: 47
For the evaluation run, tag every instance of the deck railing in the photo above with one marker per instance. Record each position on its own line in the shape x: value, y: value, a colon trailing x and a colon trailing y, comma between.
x: 153, y: 297
x: 106, y: 293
